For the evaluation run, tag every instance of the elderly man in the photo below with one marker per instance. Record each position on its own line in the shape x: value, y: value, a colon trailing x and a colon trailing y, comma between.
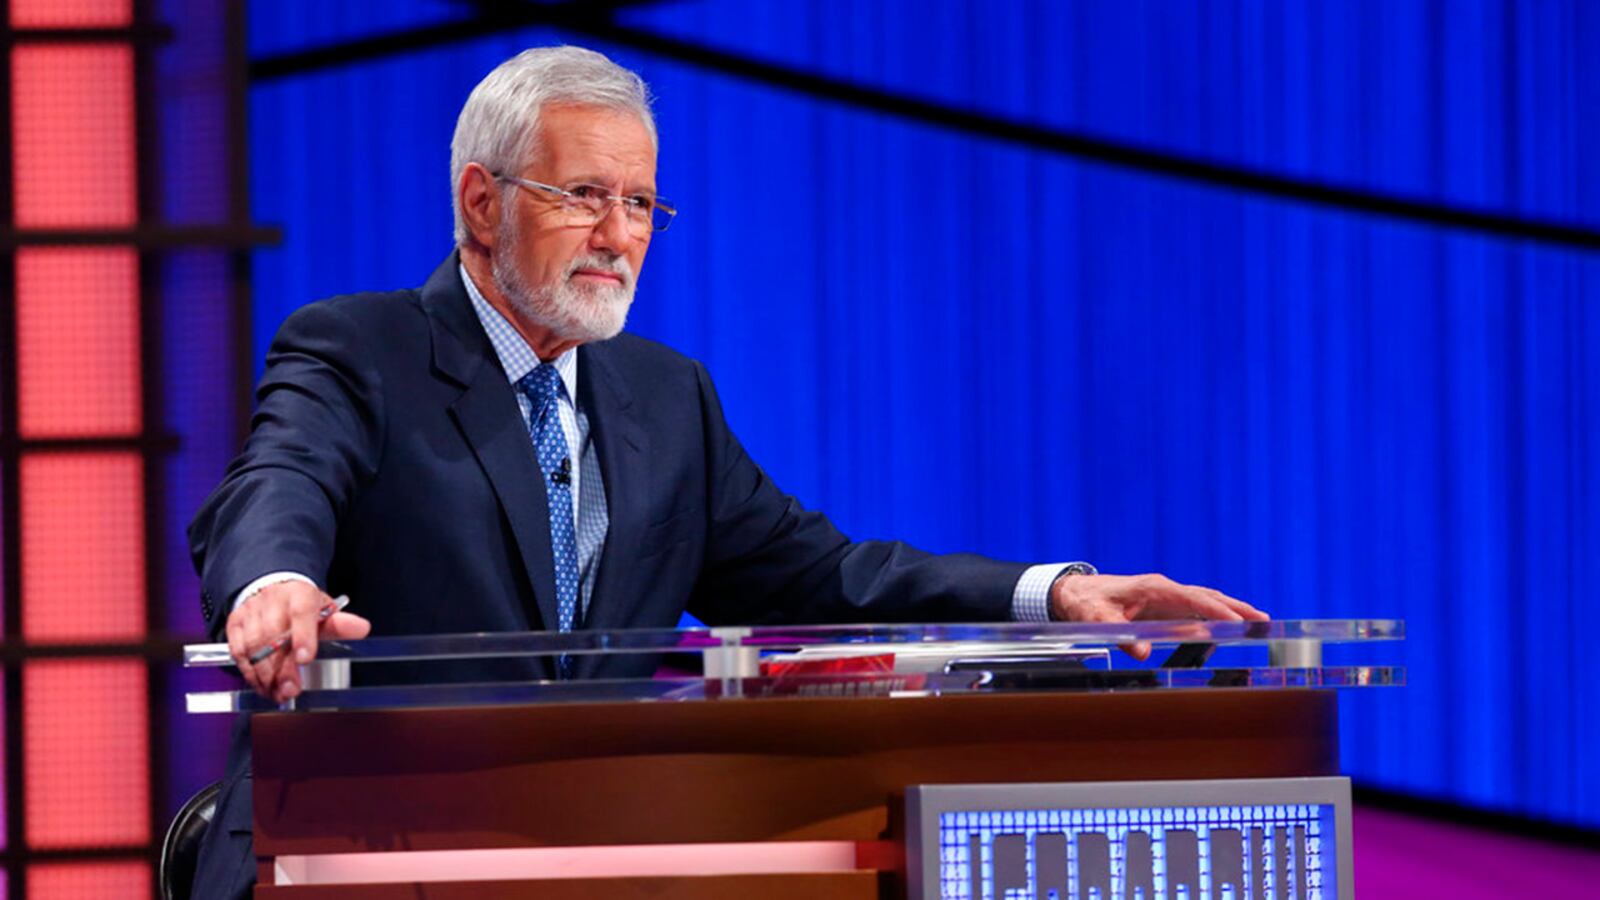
x: 491, y: 452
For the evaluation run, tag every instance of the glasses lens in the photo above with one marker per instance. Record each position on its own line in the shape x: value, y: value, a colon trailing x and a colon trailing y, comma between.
x: 588, y: 202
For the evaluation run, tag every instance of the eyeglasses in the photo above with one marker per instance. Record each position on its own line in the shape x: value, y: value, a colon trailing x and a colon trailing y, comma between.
x: 588, y: 204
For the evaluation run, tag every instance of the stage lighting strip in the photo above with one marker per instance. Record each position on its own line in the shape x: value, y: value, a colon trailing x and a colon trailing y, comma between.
x: 623, y: 861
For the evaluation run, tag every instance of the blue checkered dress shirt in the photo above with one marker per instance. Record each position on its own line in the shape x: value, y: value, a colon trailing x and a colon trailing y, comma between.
x: 590, y: 516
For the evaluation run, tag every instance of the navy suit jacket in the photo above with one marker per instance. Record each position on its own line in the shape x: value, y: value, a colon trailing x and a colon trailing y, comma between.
x: 387, y: 458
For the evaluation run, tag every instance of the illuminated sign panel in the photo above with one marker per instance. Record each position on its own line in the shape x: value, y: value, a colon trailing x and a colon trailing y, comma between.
x: 1238, y: 840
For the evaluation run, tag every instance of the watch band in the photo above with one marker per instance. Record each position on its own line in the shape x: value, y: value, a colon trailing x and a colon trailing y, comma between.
x: 1067, y: 571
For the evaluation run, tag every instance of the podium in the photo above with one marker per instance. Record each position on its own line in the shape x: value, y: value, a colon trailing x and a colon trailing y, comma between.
x: 783, y: 767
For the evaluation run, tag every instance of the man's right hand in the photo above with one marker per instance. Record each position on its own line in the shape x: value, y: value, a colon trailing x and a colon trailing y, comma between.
x: 292, y: 607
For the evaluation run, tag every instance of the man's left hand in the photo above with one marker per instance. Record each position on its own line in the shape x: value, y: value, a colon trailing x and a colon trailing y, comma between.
x: 1124, y: 598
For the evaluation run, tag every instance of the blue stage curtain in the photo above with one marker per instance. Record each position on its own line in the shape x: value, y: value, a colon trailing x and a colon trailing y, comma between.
x: 972, y: 345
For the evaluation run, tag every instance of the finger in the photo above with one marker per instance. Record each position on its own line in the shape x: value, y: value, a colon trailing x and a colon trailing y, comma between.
x: 1107, y: 612
x: 1097, y: 609
x: 1094, y: 609
x: 1171, y: 598
x: 1139, y: 650
x: 346, y: 627
x: 1188, y: 631
x: 249, y: 629
x: 238, y: 649
x: 270, y: 620
x: 1110, y: 612
x: 288, y: 677
x: 305, y: 607
x: 1212, y: 604
x: 1245, y: 610
x: 233, y: 630
x: 267, y: 672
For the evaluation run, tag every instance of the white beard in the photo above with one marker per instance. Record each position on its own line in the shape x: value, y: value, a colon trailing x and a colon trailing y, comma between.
x: 571, y: 311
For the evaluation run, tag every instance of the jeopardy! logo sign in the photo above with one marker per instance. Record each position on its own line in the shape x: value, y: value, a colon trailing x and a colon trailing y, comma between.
x: 1109, y: 841
x: 1129, y: 854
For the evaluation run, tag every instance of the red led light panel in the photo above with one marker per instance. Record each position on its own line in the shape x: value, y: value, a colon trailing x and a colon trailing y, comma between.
x: 78, y: 342
x: 85, y: 754
x: 82, y: 547
x: 71, y: 13
x: 72, y: 135
x: 79, y: 881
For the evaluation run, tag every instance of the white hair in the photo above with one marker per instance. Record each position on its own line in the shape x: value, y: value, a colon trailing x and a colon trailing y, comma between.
x: 499, y: 124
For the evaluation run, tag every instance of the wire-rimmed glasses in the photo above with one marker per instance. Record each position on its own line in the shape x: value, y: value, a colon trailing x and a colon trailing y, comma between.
x: 587, y: 204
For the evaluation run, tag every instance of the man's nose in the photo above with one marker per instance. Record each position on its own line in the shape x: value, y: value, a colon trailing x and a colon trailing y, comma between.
x: 613, y: 231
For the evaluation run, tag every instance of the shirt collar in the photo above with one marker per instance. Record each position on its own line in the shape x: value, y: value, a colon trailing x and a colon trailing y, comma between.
x: 516, y: 357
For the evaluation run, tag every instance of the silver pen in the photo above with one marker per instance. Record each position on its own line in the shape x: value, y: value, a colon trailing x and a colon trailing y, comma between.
x: 338, y: 603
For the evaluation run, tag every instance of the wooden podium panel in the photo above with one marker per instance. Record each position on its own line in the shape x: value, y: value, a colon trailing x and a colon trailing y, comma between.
x: 731, y: 771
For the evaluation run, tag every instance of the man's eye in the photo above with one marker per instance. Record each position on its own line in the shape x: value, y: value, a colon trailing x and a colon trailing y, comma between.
x: 641, y: 203
x: 587, y: 192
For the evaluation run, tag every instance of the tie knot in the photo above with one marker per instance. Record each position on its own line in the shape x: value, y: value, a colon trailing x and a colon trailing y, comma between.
x: 542, y: 385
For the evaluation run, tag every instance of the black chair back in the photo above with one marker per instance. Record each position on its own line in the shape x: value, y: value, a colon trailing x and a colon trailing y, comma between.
x: 180, y: 851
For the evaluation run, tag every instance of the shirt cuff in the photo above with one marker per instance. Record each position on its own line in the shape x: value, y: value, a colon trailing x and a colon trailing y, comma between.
x: 267, y: 580
x: 1030, y: 600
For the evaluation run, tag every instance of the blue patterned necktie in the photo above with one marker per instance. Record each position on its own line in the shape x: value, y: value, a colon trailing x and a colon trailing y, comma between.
x: 543, y: 387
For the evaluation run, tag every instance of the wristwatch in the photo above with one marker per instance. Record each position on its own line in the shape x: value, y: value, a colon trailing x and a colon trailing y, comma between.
x: 1068, y: 570
x: 1078, y: 568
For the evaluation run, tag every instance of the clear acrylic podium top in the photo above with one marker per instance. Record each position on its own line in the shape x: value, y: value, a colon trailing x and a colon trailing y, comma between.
x: 704, y: 664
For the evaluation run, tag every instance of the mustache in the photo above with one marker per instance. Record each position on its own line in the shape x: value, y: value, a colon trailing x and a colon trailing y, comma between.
x: 603, y: 262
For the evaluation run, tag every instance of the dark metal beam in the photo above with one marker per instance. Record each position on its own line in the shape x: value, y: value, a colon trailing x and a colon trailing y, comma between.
x: 151, y: 444
x: 152, y: 396
x: 241, y: 332
x: 394, y: 43
x: 164, y: 650
x: 1077, y: 144
x: 136, y: 35
x: 146, y: 236
x: 20, y: 858
x: 15, y: 876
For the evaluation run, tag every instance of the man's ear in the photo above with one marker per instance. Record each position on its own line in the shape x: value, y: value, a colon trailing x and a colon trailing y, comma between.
x: 479, y: 195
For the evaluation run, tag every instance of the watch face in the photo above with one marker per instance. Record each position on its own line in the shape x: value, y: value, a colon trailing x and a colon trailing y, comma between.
x: 1081, y: 568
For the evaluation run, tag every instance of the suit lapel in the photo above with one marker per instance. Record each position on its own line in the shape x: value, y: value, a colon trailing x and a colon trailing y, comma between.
x: 620, y: 442
x: 487, y: 414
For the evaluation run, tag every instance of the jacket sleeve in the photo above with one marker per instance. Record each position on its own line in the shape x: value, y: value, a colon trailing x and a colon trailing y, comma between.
x: 315, y: 438
x: 768, y: 559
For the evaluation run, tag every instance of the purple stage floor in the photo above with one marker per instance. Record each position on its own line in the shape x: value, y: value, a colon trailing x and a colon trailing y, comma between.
x: 1398, y: 855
